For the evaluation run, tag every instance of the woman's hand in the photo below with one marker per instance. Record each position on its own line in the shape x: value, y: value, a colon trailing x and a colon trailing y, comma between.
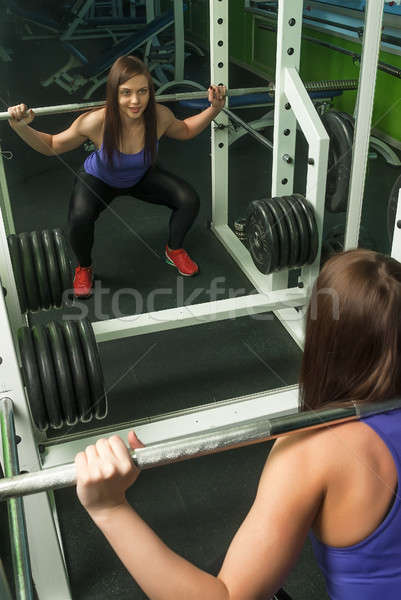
x: 20, y: 115
x: 217, y: 96
x: 104, y: 472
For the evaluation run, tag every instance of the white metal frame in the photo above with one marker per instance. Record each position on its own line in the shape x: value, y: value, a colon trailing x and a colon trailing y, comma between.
x: 45, y: 545
x: 364, y: 111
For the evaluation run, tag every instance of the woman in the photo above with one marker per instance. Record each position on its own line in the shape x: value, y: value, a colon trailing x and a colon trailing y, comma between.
x: 125, y: 134
x: 340, y: 481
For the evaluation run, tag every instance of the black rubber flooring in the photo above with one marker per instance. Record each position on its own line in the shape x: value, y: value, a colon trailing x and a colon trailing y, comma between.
x: 197, y: 506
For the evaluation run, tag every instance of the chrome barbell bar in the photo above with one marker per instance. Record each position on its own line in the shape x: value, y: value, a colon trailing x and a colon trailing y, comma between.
x: 211, y: 441
x: 312, y: 86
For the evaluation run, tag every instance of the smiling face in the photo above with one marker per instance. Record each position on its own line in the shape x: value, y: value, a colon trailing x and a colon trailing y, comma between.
x: 133, y: 97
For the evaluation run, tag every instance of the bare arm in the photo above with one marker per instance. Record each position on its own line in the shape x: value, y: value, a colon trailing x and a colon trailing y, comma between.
x: 46, y: 143
x: 261, y: 553
x: 193, y: 126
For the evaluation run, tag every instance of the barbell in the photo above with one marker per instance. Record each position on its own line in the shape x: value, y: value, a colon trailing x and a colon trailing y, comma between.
x: 211, y: 441
x: 311, y: 86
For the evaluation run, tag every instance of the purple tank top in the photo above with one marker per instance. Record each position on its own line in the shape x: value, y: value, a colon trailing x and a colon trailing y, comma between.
x: 371, y: 569
x: 126, y: 171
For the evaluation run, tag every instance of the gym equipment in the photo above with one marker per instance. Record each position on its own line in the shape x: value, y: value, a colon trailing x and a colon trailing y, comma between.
x: 392, y: 208
x: 261, y: 92
x: 42, y: 269
x: 340, y: 128
x: 240, y: 230
x: 333, y: 242
x: 282, y: 233
x: 18, y: 533
x: 62, y: 373
x: 262, y: 237
x: 218, y: 439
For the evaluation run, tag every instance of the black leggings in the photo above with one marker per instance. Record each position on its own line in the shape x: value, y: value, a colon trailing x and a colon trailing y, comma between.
x: 90, y: 196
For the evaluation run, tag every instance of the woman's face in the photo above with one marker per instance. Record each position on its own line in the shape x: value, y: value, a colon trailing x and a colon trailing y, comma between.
x: 133, y: 97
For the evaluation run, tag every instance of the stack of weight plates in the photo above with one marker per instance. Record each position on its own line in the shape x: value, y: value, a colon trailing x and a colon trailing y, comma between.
x: 42, y: 269
x: 282, y: 233
x: 240, y: 230
x: 340, y: 128
x: 62, y: 373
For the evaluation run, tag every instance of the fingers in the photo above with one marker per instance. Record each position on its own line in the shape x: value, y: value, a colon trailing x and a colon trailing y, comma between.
x: 134, y: 441
x: 20, y: 112
x: 217, y: 93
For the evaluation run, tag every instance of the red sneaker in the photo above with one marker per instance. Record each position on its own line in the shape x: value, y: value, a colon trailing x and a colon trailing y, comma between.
x: 83, y: 282
x: 180, y: 259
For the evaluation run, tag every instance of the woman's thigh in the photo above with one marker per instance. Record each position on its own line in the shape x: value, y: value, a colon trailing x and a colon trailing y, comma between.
x: 159, y: 186
x: 90, y: 196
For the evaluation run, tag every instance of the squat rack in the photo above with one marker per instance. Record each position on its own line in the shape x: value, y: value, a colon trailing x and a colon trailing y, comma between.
x: 292, y: 105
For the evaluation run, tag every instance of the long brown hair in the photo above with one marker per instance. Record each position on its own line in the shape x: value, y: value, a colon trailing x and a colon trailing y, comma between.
x: 123, y: 69
x: 353, y: 331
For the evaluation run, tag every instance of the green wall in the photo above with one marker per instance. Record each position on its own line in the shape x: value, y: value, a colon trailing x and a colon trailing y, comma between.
x: 317, y: 63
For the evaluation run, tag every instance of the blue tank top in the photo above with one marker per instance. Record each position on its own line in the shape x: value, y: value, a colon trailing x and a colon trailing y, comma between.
x: 126, y: 171
x: 371, y: 569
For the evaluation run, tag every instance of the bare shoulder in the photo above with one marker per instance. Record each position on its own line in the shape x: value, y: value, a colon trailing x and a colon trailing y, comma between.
x: 164, y: 118
x: 89, y: 123
x: 319, y: 448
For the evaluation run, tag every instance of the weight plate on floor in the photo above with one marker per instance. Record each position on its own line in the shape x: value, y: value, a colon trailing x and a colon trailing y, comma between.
x: 312, y: 226
x: 293, y: 230
x: 63, y: 260
x: 63, y: 373
x: 16, y: 261
x: 282, y: 230
x: 340, y: 160
x: 31, y: 285
x: 30, y: 372
x: 52, y: 267
x: 47, y: 376
x: 93, y: 368
x: 41, y: 270
x: 78, y: 370
x: 303, y: 231
x: 262, y: 237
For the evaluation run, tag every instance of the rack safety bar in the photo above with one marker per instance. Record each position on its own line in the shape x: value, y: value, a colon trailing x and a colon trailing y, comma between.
x: 16, y: 515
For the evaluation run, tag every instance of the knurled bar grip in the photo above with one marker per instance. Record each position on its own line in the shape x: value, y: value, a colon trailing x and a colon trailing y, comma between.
x: 219, y: 439
x: 327, y: 85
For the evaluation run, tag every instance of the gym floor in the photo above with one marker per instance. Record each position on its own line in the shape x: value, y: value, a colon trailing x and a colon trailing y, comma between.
x: 195, y: 506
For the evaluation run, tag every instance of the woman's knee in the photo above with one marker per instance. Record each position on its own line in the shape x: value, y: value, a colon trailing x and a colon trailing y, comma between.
x: 188, y: 198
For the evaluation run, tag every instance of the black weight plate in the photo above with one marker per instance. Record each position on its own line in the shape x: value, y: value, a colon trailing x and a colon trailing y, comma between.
x: 30, y: 372
x: 273, y: 227
x: 63, y: 373
x: 259, y: 244
x: 312, y: 226
x: 303, y: 231
x: 262, y: 237
x: 93, y: 368
x: 47, y: 376
x: 293, y: 230
x: 78, y: 370
x: 63, y: 260
x: 31, y: 284
x: 41, y: 270
x: 349, y: 120
x: 16, y: 261
x: 392, y: 208
x: 282, y: 230
x: 340, y: 160
x: 52, y: 267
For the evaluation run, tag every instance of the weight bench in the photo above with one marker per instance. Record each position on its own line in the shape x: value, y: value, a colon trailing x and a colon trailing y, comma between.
x: 71, y: 22
x: 79, y: 71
